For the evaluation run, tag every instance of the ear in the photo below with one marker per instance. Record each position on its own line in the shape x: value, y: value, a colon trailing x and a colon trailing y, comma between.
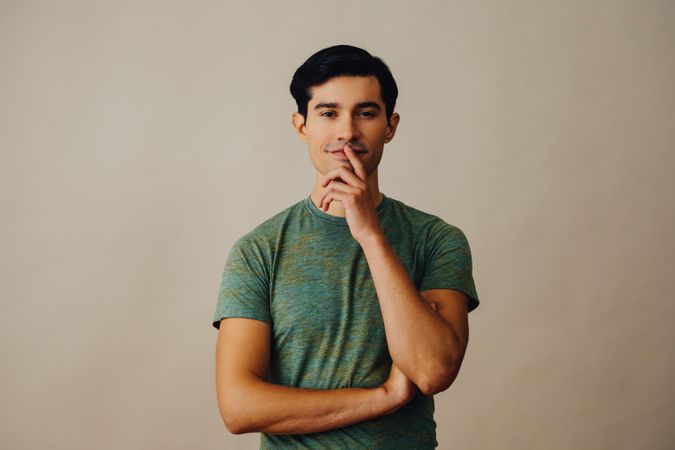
x: 391, y: 127
x: 299, y: 124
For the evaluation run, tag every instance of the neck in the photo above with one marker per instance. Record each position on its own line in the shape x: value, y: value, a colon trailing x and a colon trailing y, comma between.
x: 335, y: 208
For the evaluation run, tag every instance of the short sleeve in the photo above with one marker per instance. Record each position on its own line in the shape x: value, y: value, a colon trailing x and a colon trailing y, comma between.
x: 447, y: 262
x: 244, y: 284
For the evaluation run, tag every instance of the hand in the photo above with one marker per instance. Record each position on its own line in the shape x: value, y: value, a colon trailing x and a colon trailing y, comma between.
x: 401, y: 389
x: 353, y: 191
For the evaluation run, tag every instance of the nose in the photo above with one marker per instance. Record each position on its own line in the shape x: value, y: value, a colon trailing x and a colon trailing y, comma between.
x: 348, y: 129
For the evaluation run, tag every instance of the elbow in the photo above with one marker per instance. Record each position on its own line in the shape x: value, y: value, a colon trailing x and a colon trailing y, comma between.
x: 230, y: 419
x: 439, y: 380
x: 231, y: 413
x: 431, y: 388
x: 237, y: 404
x: 440, y: 375
x: 233, y: 425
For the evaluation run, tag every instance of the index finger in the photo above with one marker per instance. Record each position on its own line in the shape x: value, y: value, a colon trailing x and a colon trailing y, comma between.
x: 356, y: 162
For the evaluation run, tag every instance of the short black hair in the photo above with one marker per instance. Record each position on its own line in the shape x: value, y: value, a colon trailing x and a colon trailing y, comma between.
x: 340, y: 60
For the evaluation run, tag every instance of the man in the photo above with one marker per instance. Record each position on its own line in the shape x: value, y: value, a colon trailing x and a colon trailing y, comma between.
x: 341, y: 316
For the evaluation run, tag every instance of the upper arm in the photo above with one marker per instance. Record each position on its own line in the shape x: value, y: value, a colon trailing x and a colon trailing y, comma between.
x: 242, y: 356
x: 452, y: 306
x: 447, y: 263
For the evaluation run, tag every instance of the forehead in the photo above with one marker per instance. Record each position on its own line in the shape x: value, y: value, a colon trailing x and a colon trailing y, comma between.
x: 347, y: 91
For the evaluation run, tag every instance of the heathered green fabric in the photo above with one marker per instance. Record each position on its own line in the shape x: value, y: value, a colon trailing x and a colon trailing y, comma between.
x: 302, y: 272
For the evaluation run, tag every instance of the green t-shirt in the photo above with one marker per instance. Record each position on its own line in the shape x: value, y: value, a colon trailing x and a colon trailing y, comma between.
x: 302, y: 272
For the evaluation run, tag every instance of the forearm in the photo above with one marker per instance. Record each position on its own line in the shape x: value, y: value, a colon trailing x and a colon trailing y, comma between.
x: 259, y: 406
x: 420, y: 342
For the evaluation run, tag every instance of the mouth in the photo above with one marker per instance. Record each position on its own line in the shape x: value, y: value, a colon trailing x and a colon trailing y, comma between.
x: 341, y: 150
x: 340, y: 154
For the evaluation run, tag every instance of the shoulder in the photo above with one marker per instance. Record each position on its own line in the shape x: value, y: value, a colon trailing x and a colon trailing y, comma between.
x: 424, y: 223
x: 264, y: 236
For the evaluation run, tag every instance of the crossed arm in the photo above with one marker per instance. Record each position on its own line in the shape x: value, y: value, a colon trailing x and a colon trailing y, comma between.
x: 426, y: 332
x: 427, y: 346
x: 248, y: 403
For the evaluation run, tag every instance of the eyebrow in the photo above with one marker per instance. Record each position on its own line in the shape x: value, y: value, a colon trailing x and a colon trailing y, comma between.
x: 358, y: 105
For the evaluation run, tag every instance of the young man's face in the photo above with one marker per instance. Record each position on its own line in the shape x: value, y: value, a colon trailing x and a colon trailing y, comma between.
x: 346, y: 109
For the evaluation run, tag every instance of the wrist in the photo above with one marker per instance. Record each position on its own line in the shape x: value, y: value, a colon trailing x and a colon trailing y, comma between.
x: 386, y: 400
x: 372, y: 239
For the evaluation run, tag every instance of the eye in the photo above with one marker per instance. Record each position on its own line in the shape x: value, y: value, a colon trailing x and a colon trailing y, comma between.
x: 326, y: 112
x: 368, y: 113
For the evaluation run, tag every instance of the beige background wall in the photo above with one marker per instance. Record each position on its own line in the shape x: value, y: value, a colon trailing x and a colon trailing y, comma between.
x: 139, y: 139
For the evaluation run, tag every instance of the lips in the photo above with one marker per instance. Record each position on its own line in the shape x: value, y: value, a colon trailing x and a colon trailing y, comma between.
x: 340, y: 154
x: 341, y: 150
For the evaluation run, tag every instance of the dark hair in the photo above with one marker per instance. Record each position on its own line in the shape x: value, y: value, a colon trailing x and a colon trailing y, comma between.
x: 342, y: 60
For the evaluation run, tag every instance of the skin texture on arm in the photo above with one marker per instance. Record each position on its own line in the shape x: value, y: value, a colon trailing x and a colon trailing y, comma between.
x: 248, y: 403
x: 428, y: 347
x: 452, y: 307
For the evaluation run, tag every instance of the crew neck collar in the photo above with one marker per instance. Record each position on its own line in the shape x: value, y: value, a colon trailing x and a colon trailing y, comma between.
x: 312, y: 208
